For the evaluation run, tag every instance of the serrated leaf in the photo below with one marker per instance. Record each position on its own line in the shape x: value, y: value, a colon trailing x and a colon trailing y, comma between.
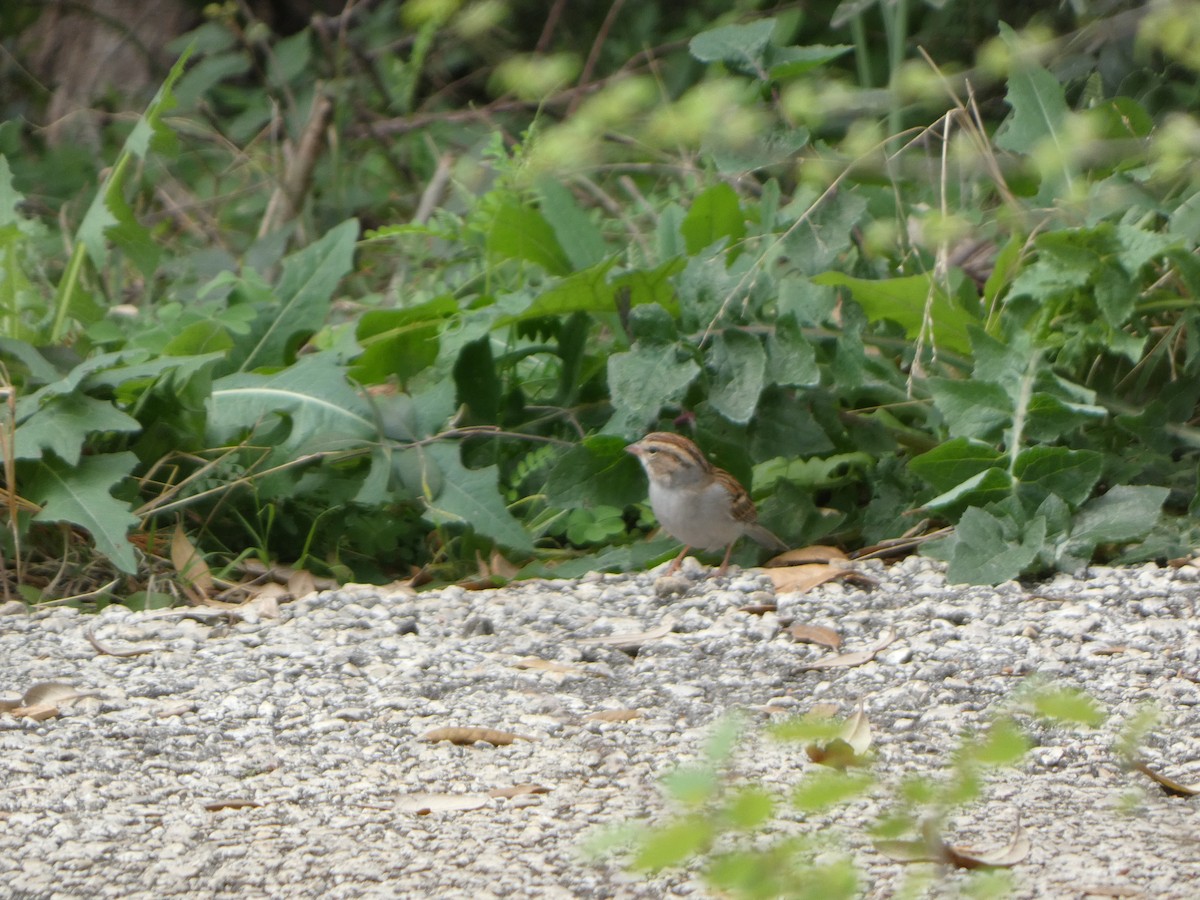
x: 520, y: 232
x: 472, y: 497
x: 989, y: 486
x: 913, y: 302
x: 741, y: 47
x: 1039, y: 107
x: 304, y: 294
x: 950, y: 464
x: 714, y: 215
x: 574, y: 230
x: 597, y: 471
x: 643, y: 380
x: 324, y: 412
x: 1071, y: 474
x: 81, y: 495
x: 65, y: 423
x: 1125, y: 513
x: 740, y: 363
x: 791, y: 359
x: 972, y: 409
x: 400, y: 342
x: 985, y: 553
x: 820, y: 236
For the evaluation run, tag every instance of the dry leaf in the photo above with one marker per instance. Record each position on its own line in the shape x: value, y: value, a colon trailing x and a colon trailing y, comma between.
x: 816, y: 634
x: 757, y: 609
x: 231, y: 803
x: 190, y: 565
x: 422, y: 804
x: 39, y: 712
x: 518, y: 790
x: 49, y: 692
x: 633, y: 640
x: 301, y: 583
x: 848, y: 748
x: 1172, y: 787
x: 933, y: 849
x: 815, y: 553
x: 857, y: 658
x: 547, y: 665
x: 467, y: 735
x: 90, y: 634
x: 801, y: 579
x: 614, y: 715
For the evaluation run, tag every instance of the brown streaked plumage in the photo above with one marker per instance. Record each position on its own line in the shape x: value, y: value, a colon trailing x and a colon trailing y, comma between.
x: 695, y: 502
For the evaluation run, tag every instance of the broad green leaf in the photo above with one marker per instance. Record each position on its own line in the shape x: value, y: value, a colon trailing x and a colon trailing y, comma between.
x: 585, y: 291
x: 915, y: 302
x: 596, y: 471
x: 740, y: 363
x: 324, y: 413
x: 952, y: 463
x: 988, y: 550
x: 1071, y: 474
x: 822, y: 229
x: 400, y: 342
x: 519, y: 232
x: 822, y: 788
x: 749, y: 807
x: 1065, y: 704
x: 574, y: 230
x: 714, y: 215
x: 471, y: 497
x: 791, y: 359
x: 81, y: 495
x: 790, y: 62
x: 1125, y: 513
x: 1048, y: 417
x: 972, y: 409
x: 18, y: 354
x: 1039, y: 107
x: 759, y: 151
x: 1004, y: 744
x: 741, y: 47
x: 289, y: 57
x: 670, y: 845
x: 304, y: 294
x: 989, y: 486
x: 65, y: 423
x: 643, y: 380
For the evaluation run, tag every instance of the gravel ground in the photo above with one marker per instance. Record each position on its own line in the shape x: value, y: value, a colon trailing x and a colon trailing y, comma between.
x: 282, y: 757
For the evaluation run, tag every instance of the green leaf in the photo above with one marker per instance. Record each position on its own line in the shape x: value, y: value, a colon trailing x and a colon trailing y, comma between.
x: 519, y: 232
x: 790, y: 62
x: 972, y: 409
x: 741, y: 47
x: 597, y: 471
x: 1064, y: 704
x: 989, y: 486
x: 586, y: 291
x: 823, y: 788
x: 673, y: 844
x: 989, y: 550
x: 1071, y: 474
x: 740, y: 363
x: 1039, y: 107
x: 400, y: 342
x: 749, y: 808
x: 1125, y: 513
x: 64, y: 425
x: 573, y: 229
x: 914, y: 302
x: 81, y: 495
x: 791, y: 359
x: 1004, y: 744
x: 953, y: 462
x: 819, y: 236
x: 304, y: 292
x: 470, y: 497
x: 714, y: 215
x: 324, y: 413
x: 641, y: 382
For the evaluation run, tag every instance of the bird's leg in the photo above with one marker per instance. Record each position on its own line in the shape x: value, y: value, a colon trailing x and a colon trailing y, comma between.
x: 678, y: 561
x: 725, y: 561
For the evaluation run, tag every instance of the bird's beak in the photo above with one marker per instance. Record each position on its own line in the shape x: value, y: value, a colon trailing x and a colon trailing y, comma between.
x: 634, y: 449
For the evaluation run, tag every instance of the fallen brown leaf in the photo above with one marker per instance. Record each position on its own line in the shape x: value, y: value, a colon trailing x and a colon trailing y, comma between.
x: 614, y: 715
x: 857, y: 658
x: 848, y: 748
x: 933, y: 849
x: 816, y: 553
x: 518, y: 790
x: 39, y: 712
x: 1170, y: 785
x: 466, y: 735
x: 422, y: 804
x: 802, y: 579
x: 301, y: 583
x: 47, y: 692
x: 231, y: 803
x: 815, y: 634
x: 633, y: 640
x: 193, y: 570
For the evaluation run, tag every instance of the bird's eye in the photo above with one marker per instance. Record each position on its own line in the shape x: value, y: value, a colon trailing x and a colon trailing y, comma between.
x: 651, y: 450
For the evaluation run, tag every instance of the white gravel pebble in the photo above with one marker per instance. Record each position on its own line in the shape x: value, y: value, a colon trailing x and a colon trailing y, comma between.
x: 281, y: 757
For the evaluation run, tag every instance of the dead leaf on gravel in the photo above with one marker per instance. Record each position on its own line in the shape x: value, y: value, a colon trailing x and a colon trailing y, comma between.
x: 48, y: 692
x: 39, y: 713
x: 518, y: 790
x: 633, y: 640
x: 548, y: 665
x: 816, y: 553
x: 1170, y: 785
x: 856, y: 658
x: 758, y: 609
x: 301, y: 583
x: 193, y: 570
x: 231, y: 803
x: 933, y: 849
x: 802, y: 579
x: 467, y: 735
x: 422, y: 804
x: 848, y: 748
x: 614, y: 715
x: 815, y: 634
